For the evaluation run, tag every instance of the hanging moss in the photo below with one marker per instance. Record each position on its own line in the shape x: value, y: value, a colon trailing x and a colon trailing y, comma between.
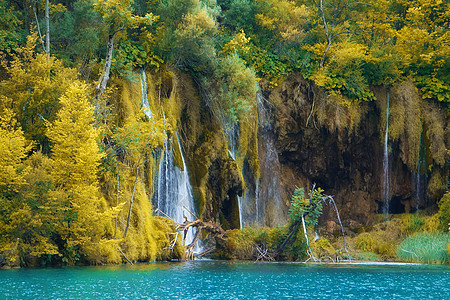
x: 434, y: 124
x: 405, y: 121
x: 436, y: 185
x: 336, y: 112
x: 125, y: 99
x: 248, y: 142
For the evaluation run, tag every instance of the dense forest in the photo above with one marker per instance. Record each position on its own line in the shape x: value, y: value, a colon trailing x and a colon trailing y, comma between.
x: 254, y: 97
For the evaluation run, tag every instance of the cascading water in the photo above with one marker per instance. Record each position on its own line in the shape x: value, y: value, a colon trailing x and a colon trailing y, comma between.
x: 144, y: 103
x: 386, y: 161
x: 173, y: 190
x: 247, y: 203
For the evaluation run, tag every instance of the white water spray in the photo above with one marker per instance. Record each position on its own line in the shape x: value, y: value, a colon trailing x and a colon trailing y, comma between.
x: 173, y: 190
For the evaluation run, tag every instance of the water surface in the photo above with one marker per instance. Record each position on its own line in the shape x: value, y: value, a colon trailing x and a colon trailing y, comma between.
x: 228, y: 280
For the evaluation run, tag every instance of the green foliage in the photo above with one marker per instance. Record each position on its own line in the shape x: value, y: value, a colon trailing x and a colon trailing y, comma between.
x: 444, y: 211
x: 307, y: 206
x: 138, y: 136
x: 131, y: 55
x: 267, y: 64
x: 11, y: 34
x: 238, y: 86
x: 425, y: 248
x: 77, y: 35
x: 370, y: 256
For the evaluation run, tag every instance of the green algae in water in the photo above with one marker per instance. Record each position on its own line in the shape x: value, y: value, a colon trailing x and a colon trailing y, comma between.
x: 228, y: 280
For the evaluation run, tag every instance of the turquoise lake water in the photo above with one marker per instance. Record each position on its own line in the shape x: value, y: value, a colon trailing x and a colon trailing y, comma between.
x: 228, y: 280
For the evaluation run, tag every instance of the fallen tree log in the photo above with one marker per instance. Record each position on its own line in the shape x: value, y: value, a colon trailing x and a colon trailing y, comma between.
x: 198, y: 225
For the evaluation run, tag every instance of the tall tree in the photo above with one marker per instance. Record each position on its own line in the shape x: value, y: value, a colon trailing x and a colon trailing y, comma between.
x: 47, y: 35
x: 76, y: 157
x: 118, y: 15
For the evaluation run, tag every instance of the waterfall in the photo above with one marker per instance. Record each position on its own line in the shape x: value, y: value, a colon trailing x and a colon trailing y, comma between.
x: 270, y: 207
x: 173, y: 190
x: 257, y: 217
x: 247, y: 203
x: 144, y: 104
x: 386, y: 161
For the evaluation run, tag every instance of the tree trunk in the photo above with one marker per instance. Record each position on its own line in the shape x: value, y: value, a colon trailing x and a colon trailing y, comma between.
x: 131, y: 203
x: 327, y: 33
x: 47, y: 36
x: 103, y: 81
x: 325, y: 52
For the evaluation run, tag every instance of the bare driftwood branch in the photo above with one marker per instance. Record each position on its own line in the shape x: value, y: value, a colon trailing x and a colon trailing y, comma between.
x: 121, y: 252
x: 199, y: 225
x: 410, y: 252
x: 263, y: 253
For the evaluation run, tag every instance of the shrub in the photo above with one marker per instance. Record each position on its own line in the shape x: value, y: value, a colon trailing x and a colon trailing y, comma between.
x: 444, y: 211
x: 377, y: 242
x: 425, y: 248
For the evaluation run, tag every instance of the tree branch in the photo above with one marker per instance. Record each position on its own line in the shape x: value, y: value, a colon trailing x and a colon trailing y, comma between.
x: 39, y: 28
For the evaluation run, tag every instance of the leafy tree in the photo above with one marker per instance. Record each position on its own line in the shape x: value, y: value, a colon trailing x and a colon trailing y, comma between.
x: 118, y: 16
x: 287, y: 19
x: 423, y: 40
x: 238, y: 87
x: 303, y: 206
x: 195, y: 39
x: 10, y: 27
x: 76, y: 157
x: 34, y: 85
x: 78, y: 36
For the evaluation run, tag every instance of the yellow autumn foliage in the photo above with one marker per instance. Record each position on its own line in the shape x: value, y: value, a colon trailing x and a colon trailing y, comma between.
x: 34, y: 86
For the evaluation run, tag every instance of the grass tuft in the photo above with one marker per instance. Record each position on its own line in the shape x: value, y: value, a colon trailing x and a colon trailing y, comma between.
x: 425, y: 248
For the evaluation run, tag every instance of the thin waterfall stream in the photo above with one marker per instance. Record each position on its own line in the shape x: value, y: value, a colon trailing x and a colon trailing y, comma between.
x: 232, y: 136
x: 386, y: 161
x: 144, y: 89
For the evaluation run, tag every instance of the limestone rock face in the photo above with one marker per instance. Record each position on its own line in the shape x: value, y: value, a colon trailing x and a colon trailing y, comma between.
x: 346, y: 161
x: 305, y: 136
